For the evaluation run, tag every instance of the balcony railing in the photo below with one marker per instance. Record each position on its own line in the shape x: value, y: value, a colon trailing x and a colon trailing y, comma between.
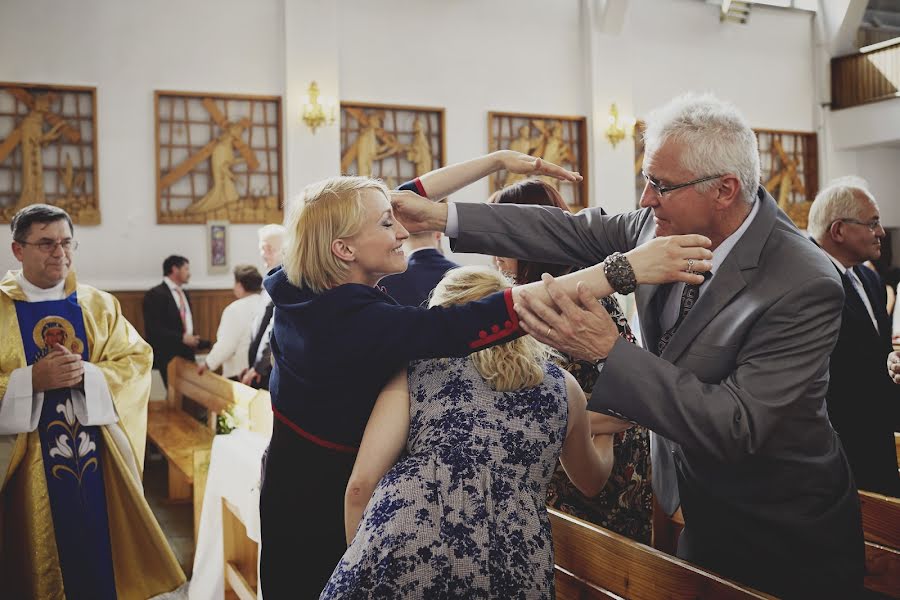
x: 866, y: 77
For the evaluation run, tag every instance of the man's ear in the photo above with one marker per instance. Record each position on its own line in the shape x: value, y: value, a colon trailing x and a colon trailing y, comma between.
x: 341, y: 249
x: 18, y: 251
x: 836, y: 231
x: 728, y: 191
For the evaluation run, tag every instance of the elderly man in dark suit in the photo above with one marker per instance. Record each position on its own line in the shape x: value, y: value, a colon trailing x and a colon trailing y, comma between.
x: 168, y: 319
x: 425, y: 266
x: 863, y: 405
x: 734, y: 384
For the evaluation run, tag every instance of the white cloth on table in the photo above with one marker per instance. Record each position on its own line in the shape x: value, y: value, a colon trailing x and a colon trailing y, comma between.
x: 234, y: 472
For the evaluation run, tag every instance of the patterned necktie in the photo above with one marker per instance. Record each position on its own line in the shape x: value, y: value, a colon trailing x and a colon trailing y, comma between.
x: 182, y: 308
x: 688, y: 299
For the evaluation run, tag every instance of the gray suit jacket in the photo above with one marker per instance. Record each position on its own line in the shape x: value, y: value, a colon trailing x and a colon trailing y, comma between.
x: 737, y: 399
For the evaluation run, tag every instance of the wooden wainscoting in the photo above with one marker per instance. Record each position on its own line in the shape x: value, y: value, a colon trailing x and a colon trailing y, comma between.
x: 206, y: 307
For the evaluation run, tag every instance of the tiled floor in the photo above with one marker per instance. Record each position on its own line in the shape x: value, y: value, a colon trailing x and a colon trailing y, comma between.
x: 176, y: 520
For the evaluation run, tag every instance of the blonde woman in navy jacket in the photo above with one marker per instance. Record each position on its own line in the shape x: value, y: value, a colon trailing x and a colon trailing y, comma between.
x: 338, y: 339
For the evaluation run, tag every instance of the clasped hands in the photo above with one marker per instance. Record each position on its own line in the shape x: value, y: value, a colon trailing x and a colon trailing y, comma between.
x: 61, y: 368
x: 581, y: 327
x: 893, y: 366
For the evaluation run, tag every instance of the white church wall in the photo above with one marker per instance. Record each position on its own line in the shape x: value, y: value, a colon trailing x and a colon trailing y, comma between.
x: 128, y: 50
x: 468, y: 56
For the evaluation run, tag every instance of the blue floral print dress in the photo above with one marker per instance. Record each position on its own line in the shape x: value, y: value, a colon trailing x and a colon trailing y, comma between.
x: 462, y: 514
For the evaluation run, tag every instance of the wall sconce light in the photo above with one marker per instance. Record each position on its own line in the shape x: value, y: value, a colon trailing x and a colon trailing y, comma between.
x: 315, y: 112
x: 618, y: 129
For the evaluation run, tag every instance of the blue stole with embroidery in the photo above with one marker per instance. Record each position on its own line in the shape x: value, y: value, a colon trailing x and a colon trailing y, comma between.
x: 71, y: 453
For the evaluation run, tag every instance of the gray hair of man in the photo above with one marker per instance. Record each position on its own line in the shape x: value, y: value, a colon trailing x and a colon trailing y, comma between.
x: 714, y: 136
x: 272, y: 230
x: 837, y: 200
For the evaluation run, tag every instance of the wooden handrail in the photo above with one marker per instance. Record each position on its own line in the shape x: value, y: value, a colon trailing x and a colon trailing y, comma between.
x: 865, y: 77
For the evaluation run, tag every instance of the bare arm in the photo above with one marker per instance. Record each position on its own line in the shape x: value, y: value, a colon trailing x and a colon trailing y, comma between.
x: 446, y: 180
x: 588, y: 462
x: 382, y: 443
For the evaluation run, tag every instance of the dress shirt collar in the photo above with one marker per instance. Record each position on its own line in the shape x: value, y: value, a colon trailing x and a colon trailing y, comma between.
x: 728, y: 244
x: 36, y: 294
x: 172, y: 285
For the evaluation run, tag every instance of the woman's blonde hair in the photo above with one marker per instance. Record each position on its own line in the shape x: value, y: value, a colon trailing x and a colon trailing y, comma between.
x: 515, y: 365
x: 329, y: 209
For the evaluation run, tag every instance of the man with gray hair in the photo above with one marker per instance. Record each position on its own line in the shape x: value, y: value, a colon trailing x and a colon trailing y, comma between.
x: 845, y: 222
x: 733, y: 387
x: 259, y: 354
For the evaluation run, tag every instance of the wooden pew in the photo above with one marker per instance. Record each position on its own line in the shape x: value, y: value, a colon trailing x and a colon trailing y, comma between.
x: 592, y: 563
x: 179, y: 436
x: 881, y: 529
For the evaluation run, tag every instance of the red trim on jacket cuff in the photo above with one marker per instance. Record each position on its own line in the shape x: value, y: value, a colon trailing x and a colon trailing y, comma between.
x: 313, y: 438
x: 420, y: 189
x: 510, y: 327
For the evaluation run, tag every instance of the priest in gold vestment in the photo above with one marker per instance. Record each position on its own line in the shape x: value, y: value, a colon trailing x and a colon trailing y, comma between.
x: 74, y: 386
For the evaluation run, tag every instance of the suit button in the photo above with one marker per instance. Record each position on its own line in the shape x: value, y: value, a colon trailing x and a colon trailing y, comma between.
x: 482, y: 334
x: 495, y: 328
x: 508, y: 324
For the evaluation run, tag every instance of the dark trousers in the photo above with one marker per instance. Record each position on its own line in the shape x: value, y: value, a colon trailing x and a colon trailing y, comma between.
x: 301, y: 510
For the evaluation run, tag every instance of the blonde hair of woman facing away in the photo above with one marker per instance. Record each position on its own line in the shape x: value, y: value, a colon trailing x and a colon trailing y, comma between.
x: 511, y: 366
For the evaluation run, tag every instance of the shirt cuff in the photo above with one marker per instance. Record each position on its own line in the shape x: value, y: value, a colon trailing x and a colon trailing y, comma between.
x: 452, y: 228
x: 20, y: 409
x: 94, y: 406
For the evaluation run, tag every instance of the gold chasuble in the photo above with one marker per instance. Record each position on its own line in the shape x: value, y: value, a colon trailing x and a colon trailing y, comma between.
x: 143, y: 564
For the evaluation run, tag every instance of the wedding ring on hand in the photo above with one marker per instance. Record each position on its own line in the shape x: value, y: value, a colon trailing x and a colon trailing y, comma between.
x: 690, y: 268
x: 549, y: 329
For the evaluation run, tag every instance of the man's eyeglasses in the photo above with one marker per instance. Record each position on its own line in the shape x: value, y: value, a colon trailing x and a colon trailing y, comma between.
x: 661, y: 189
x: 48, y: 246
x: 872, y: 225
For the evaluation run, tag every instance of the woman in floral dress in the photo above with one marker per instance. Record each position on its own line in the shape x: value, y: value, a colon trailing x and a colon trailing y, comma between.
x: 462, y: 514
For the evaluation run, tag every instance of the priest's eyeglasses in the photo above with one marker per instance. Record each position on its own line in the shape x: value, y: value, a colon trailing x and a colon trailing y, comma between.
x: 872, y: 225
x: 661, y: 189
x: 49, y: 246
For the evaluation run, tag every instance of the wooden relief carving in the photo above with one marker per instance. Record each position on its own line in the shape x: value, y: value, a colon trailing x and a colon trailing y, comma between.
x: 560, y: 140
x: 788, y: 163
x: 218, y: 157
x: 393, y: 143
x: 48, y: 149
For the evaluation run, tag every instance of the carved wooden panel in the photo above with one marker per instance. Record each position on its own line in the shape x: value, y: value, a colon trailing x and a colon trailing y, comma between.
x: 789, y: 169
x: 218, y: 157
x: 392, y: 142
x: 560, y: 140
x: 48, y: 149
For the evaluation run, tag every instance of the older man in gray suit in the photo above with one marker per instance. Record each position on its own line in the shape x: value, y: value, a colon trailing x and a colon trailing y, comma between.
x: 734, y: 384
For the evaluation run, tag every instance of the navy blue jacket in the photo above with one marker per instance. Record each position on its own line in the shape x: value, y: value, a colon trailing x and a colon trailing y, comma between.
x: 335, y: 351
x: 425, y: 268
